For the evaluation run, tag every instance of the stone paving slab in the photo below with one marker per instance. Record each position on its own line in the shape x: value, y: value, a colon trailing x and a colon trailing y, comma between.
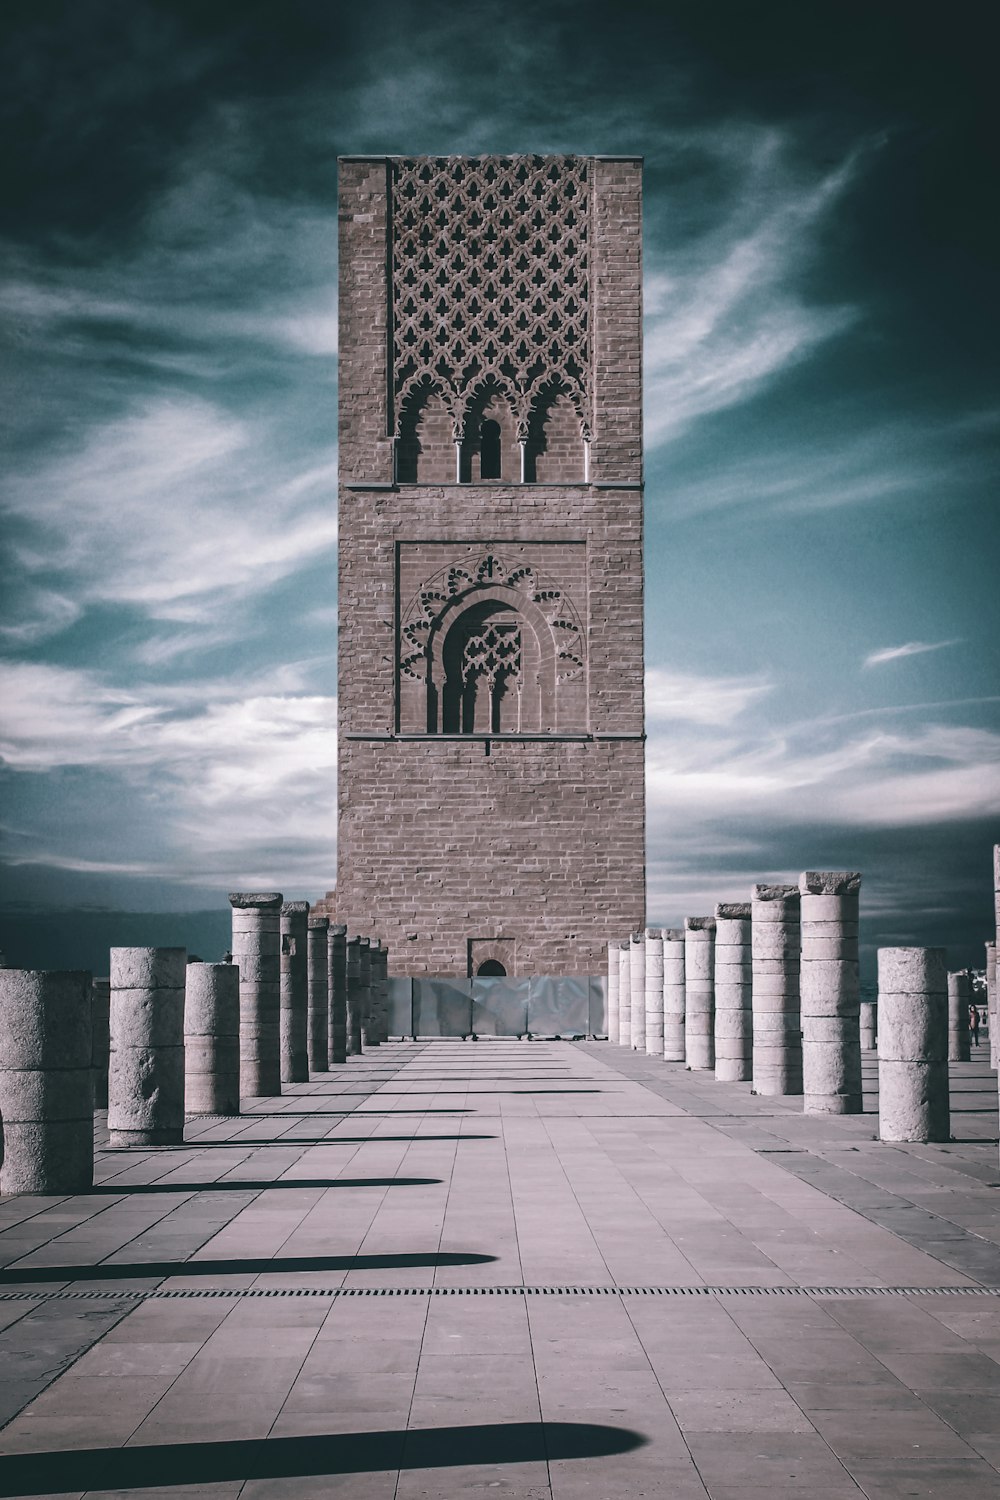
x: 312, y: 1298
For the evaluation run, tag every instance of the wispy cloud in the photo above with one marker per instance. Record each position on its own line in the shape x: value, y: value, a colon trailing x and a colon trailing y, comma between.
x: 684, y: 697
x: 897, y: 653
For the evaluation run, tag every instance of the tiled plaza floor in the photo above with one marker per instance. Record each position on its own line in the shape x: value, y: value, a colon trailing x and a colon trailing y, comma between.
x: 530, y: 1269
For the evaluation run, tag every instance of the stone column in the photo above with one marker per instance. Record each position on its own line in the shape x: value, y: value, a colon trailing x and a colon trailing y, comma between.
x: 775, y: 945
x: 625, y: 994
x: 336, y: 984
x: 959, y: 1001
x: 674, y: 997
x: 256, y: 953
x: 654, y: 992
x: 912, y: 1045
x: 868, y: 1025
x: 212, y: 1040
x: 100, y: 1001
x: 637, y: 990
x: 46, y: 1081
x: 146, y: 1076
x: 294, y: 990
x: 380, y: 988
x: 699, y: 992
x: 830, y: 994
x: 354, y: 1016
x: 991, y: 1003
x: 733, y: 992
x: 369, y: 1026
x: 319, y: 999
x: 614, y: 978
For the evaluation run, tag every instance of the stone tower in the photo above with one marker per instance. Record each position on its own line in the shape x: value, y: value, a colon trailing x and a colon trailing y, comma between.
x: 491, y: 804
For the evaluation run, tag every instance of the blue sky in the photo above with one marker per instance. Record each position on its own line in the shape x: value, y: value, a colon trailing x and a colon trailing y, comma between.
x: 821, y: 430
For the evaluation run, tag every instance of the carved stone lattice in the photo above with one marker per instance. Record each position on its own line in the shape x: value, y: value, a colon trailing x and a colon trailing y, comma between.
x: 490, y: 282
x: 424, y: 612
x: 493, y: 651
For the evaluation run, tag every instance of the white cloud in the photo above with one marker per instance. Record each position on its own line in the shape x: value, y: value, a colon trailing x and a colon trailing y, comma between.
x: 897, y: 653
x: 687, y: 698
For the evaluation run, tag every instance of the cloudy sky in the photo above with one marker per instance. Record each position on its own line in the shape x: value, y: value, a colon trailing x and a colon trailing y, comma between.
x: 821, y: 428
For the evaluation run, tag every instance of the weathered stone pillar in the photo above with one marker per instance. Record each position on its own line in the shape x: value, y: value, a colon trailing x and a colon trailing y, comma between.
x: 100, y: 1001
x: 699, y: 992
x: 212, y: 1040
x: 46, y: 1082
x: 654, y: 992
x: 775, y: 941
x: 380, y: 988
x: 614, y: 979
x: 959, y: 1001
x: 369, y: 1026
x: 674, y: 996
x: 829, y: 992
x: 991, y: 1003
x: 625, y: 993
x: 256, y: 953
x: 733, y: 993
x: 319, y: 998
x: 294, y: 990
x: 355, y: 1020
x: 336, y: 984
x: 912, y: 1045
x: 146, y: 1076
x: 637, y: 990
x: 868, y: 1019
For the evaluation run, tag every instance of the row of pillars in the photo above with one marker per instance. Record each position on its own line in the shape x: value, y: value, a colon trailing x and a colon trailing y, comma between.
x: 767, y: 992
x: 163, y: 1039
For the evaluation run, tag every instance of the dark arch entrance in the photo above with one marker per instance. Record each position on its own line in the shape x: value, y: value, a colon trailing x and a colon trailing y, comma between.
x: 491, y: 968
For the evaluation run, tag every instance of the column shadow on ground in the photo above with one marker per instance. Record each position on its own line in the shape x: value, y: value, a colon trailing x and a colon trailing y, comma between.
x: 294, y: 1457
x: 247, y: 1185
x: 281, y: 1266
x: 289, y: 1140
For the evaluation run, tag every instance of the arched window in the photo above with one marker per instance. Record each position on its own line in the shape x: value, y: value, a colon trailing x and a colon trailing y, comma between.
x: 491, y: 968
x: 490, y: 465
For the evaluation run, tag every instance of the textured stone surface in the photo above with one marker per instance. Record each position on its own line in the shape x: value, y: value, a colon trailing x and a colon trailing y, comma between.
x: 830, y: 993
x: 733, y: 993
x: 212, y: 1039
x: 318, y: 994
x: 256, y: 953
x: 654, y: 992
x: 913, y: 1044
x: 336, y: 959
x: 699, y: 992
x: 625, y: 993
x: 868, y: 1018
x: 146, y: 1073
x: 100, y: 1007
x: 355, y: 1016
x: 46, y: 1081
x: 959, y: 1001
x: 555, y: 566
x: 614, y: 989
x: 294, y: 992
x: 369, y: 1025
x: 637, y: 990
x: 674, y: 996
x: 776, y: 942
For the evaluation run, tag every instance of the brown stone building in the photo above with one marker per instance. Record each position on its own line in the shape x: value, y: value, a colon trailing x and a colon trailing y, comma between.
x: 491, y: 804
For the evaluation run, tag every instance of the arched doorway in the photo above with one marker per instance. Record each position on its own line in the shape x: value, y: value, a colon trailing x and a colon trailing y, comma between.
x: 491, y: 968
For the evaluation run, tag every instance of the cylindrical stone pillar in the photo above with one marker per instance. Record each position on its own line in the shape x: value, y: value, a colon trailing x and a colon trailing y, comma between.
x: 319, y: 998
x: 369, y: 1025
x: 959, y: 1001
x: 654, y: 992
x: 146, y: 1076
x: 775, y: 946
x: 380, y: 988
x: 294, y: 991
x: 830, y: 995
x: 912, y: 1045
x: 674, y: 997
x: 637, y: 990
x: 100, y: 1000
x: 625, y: 993
x: 336, y: 984
x: 991, y: 1003
x: 733, y: 992
x: 614, y: 979
x: 354, y: 1016
x: 699, y: 992
x: 212, y: 1040
x: 868, y: 1018
x: 256, y: 953
x: 46, y: 1081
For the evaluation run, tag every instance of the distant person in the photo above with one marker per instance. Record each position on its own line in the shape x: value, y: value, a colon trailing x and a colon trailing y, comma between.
x: 227, y: 958
x: 974, y: 1025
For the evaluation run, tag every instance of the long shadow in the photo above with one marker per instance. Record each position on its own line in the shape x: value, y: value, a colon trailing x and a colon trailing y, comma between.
x: 282, y: 1266
x: 149, y: 1467
x: 234, y: 1185
x: 308, y: 1114
x: 409, y: 1093
x: 291, y: 1140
